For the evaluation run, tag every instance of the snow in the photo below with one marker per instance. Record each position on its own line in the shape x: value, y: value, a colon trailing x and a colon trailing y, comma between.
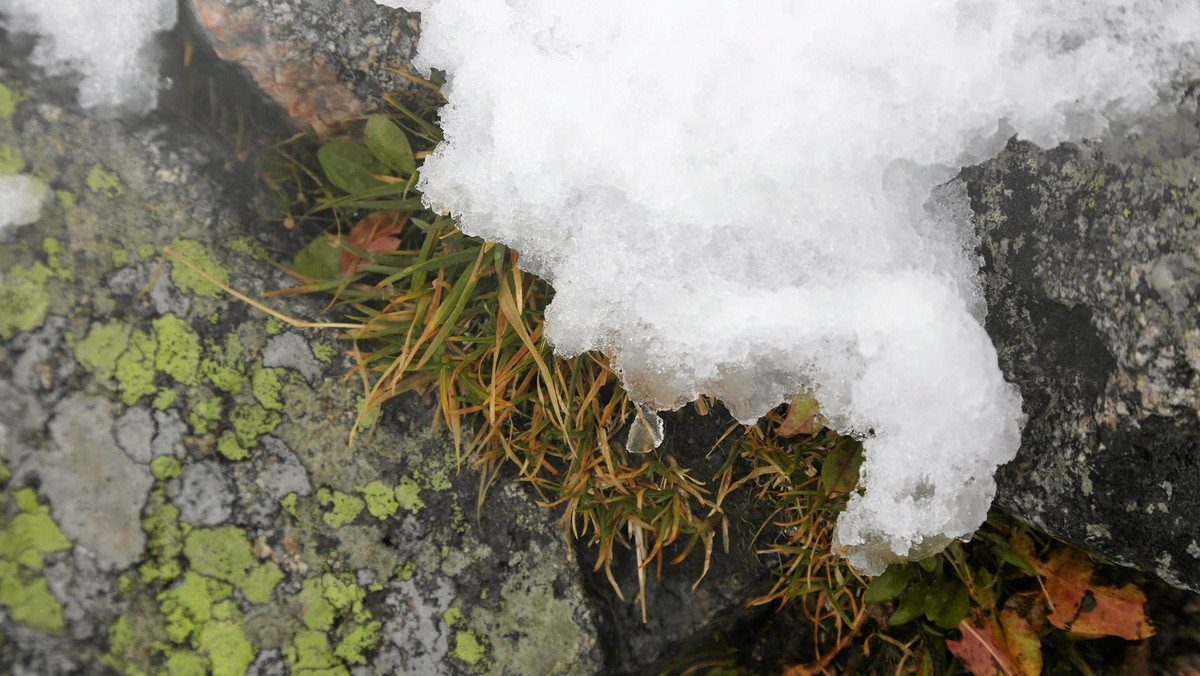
x: 735, y: 200
x: 109, y: 44
x: 20, y: 200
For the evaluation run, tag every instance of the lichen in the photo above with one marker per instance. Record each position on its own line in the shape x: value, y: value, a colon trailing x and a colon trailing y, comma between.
x: 9, y: 98
x: 323, y: 351
x: 135, y: 368
x: 361, y: 637
x: 23, y: 299
x: 104, y: 182
x: 342, y: 507
x: 310, y: 654
x: 472, y: 650
x: 251, y: 421
x: 289, y: 504
x: 54, y: 250
x: 381, y: 499
x: 164, y: 536
x: 177, y: 349
x: 225, y: 554
x: 120, y: 257
x: 204, y: 413
x: 67, y: 201
x: 224, y: 367
x: 408, y: 495
x: 102, y: 346
x: 165, y: 467
x: 266, y: 387
x: 188, y: 279
x: 260, y: 582
x: 24, y: 542
x: 164, y: 399
x: 229, y: 447
x: 12, y: 160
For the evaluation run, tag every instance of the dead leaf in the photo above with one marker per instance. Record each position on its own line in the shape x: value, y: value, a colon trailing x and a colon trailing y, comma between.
x: 983, y: 648
x: 803, y: 417
x: 1087, y: 608
x: 1020, y: 635
x: 374, y: 234
x: 839, y: 470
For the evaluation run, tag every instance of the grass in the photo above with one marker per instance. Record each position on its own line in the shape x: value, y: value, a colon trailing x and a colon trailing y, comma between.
x: 428, y: 310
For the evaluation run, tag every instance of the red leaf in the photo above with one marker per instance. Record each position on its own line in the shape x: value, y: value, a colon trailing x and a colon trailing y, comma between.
x: 983, y: 647
x: 1087, y: 608
x: 373, y: 234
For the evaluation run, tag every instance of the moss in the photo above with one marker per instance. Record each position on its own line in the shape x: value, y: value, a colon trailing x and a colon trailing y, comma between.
x: 408, y: 495
x: 265, y: 385
x: 165, y: 467
x: 188, y: 279
x: 229, y: 447
x: 24, y: 542
x: 204, y: 413
x: 23, y: 299
x: 9, y: 98
x: 323, y: 351
x: 102, y: 346
x: 289, y: 504
x: 104, y: 182
x: 178, y: 349
x: 135, y: 368
x: 224, y: 367
x: 471, y: 649
x: 249, y: 422
x: 309, y: 654
x: 342, y: 508
x: 362, y: 637
x: 164, y: 399
x: 54, y: 250
x: 67, y: 201
x: 12, y: 160
x: 381, y: 499
x: 258, y: 585
x: 164, y: 538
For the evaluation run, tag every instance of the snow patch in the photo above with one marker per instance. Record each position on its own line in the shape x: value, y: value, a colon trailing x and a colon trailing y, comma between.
x: 735, y: 200
x: 21, y: 200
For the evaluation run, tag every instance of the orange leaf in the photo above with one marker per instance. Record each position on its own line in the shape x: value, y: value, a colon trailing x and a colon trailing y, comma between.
x: 1087, y: 608
x: 803, y: 417
x: 983, y: 647
x: 1020, y: 634
x: 374, y: 234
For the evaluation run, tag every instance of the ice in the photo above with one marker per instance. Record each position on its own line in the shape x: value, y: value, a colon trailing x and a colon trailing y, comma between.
x: 109, y: 43
x: 735, y: 199
x: 20, y: 200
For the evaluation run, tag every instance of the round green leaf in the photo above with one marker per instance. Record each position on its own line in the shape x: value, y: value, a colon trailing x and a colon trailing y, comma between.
x: 889, y: 585
x: 388, y: 143
x: 347, y: 165
x: 319, y: 260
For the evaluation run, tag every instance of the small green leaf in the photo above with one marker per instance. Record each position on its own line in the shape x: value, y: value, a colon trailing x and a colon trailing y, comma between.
x: 347, y: 165
x: 389, y: 144
x: 911, y: 606
x: 839, y: 472
x: 889, y: 585
x: 930, y: 564
x: 319, y: 260
x: 938, y: 595
x: 956, y: 607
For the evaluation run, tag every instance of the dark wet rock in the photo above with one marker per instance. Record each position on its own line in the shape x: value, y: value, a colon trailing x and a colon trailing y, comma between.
x: 1092, y: 281
x: 323, y: 61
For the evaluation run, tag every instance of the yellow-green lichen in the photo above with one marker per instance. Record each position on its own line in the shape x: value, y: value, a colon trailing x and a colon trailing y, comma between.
x: 164, y: 537
x: 289, y: 504
x: 9, y: 98
x: 408, y: 495
x: 120, y: 257
x: 223, y: 366
x: 188, y: 279
x: 186, y: 663
x: 135, y: 368
x: 250, y: 422
x: 454, y: 618
x: 12, y: 160
x: 341, y: 508
x: 5, y: 472
x: 67, y: 201
x: 309, y: 654
x: 102, y: 346
x: 224, y: 554
x: 381, y: 499
x: 164, y: 399
x: 54, y: 250
x: 188, y: 606
x: 471, y: 649
x: 23, y: 299
x: 247, y: 246
x: 260, y: 582
x: 127, y: 652
x: 406, y: 571
x: 165, y: 467
x: 229, y: 447
x: 323, y: 351
x: 24, y: 542
x: 266, y: 387
x: 178, y: 349
x: 274, y: 326
x: 227, y: 648
x: 104, y: 182
x: 204, y: 413
x: 145, y: 251
x: 360, y: 638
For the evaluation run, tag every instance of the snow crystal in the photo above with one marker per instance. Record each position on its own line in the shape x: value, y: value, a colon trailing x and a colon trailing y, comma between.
x: 20, y: 200
x: 109, y: 44
x: 735, y: 200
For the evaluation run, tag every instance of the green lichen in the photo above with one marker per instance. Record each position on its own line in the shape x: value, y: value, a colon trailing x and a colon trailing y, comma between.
x: 250, y: 422
x: 188, y: 606
x: 342, y: 592
x: 408, y: 495
x: 454, y: 618
x: 224, y: 367
x: 266, y: 388
x: 120, y: 257
x: 229, y: 447
x: 12, y: 160
x: 186, y: 663
x: 126, y: 649
x: 145, y: 251
x: 102, y: 346
x: 135, y: 368
x: 381, y: 499
x: 66, y: 200
x: 258, y: 585
x: 342, y: 508
x: 104, y: 182
x: 289, y: 504
x: 54, y: 250
x: 472, y: 650
x: 318, y: 611
x: 164, y: 537
x: 362, y: 637
x: 24, y: 542
x: 5, y: 472
x: 274, y: 326
x: 323, y: 351
x: 188, y: 279
x: 178, y: 349
x: 309, y: 654
x: 227, y: 648
x: 9, y: 98
x: 406, y: 571
x: 247, y: 246
x: 165, y: 467
x: 23, y: 299
x: 225, y: 554
x: 204, y: 413
x: 164, y: 399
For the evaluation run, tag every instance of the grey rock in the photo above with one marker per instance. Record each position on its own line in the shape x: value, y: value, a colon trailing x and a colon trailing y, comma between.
x: 290, y: 350
x: 168, y: 439
x: 204, y: 495
x: 134, y: 430
x: 1092, y: 281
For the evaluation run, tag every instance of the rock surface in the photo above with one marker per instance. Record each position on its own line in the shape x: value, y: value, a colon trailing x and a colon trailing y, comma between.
x: 1092, y: 283
x: 176, y: 487
x: 323, y: 61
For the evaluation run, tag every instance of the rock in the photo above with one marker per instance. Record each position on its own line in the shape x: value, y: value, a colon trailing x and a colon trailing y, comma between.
x: 1092, y: 281
x: 323, y: 61
x: 179, y: 463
